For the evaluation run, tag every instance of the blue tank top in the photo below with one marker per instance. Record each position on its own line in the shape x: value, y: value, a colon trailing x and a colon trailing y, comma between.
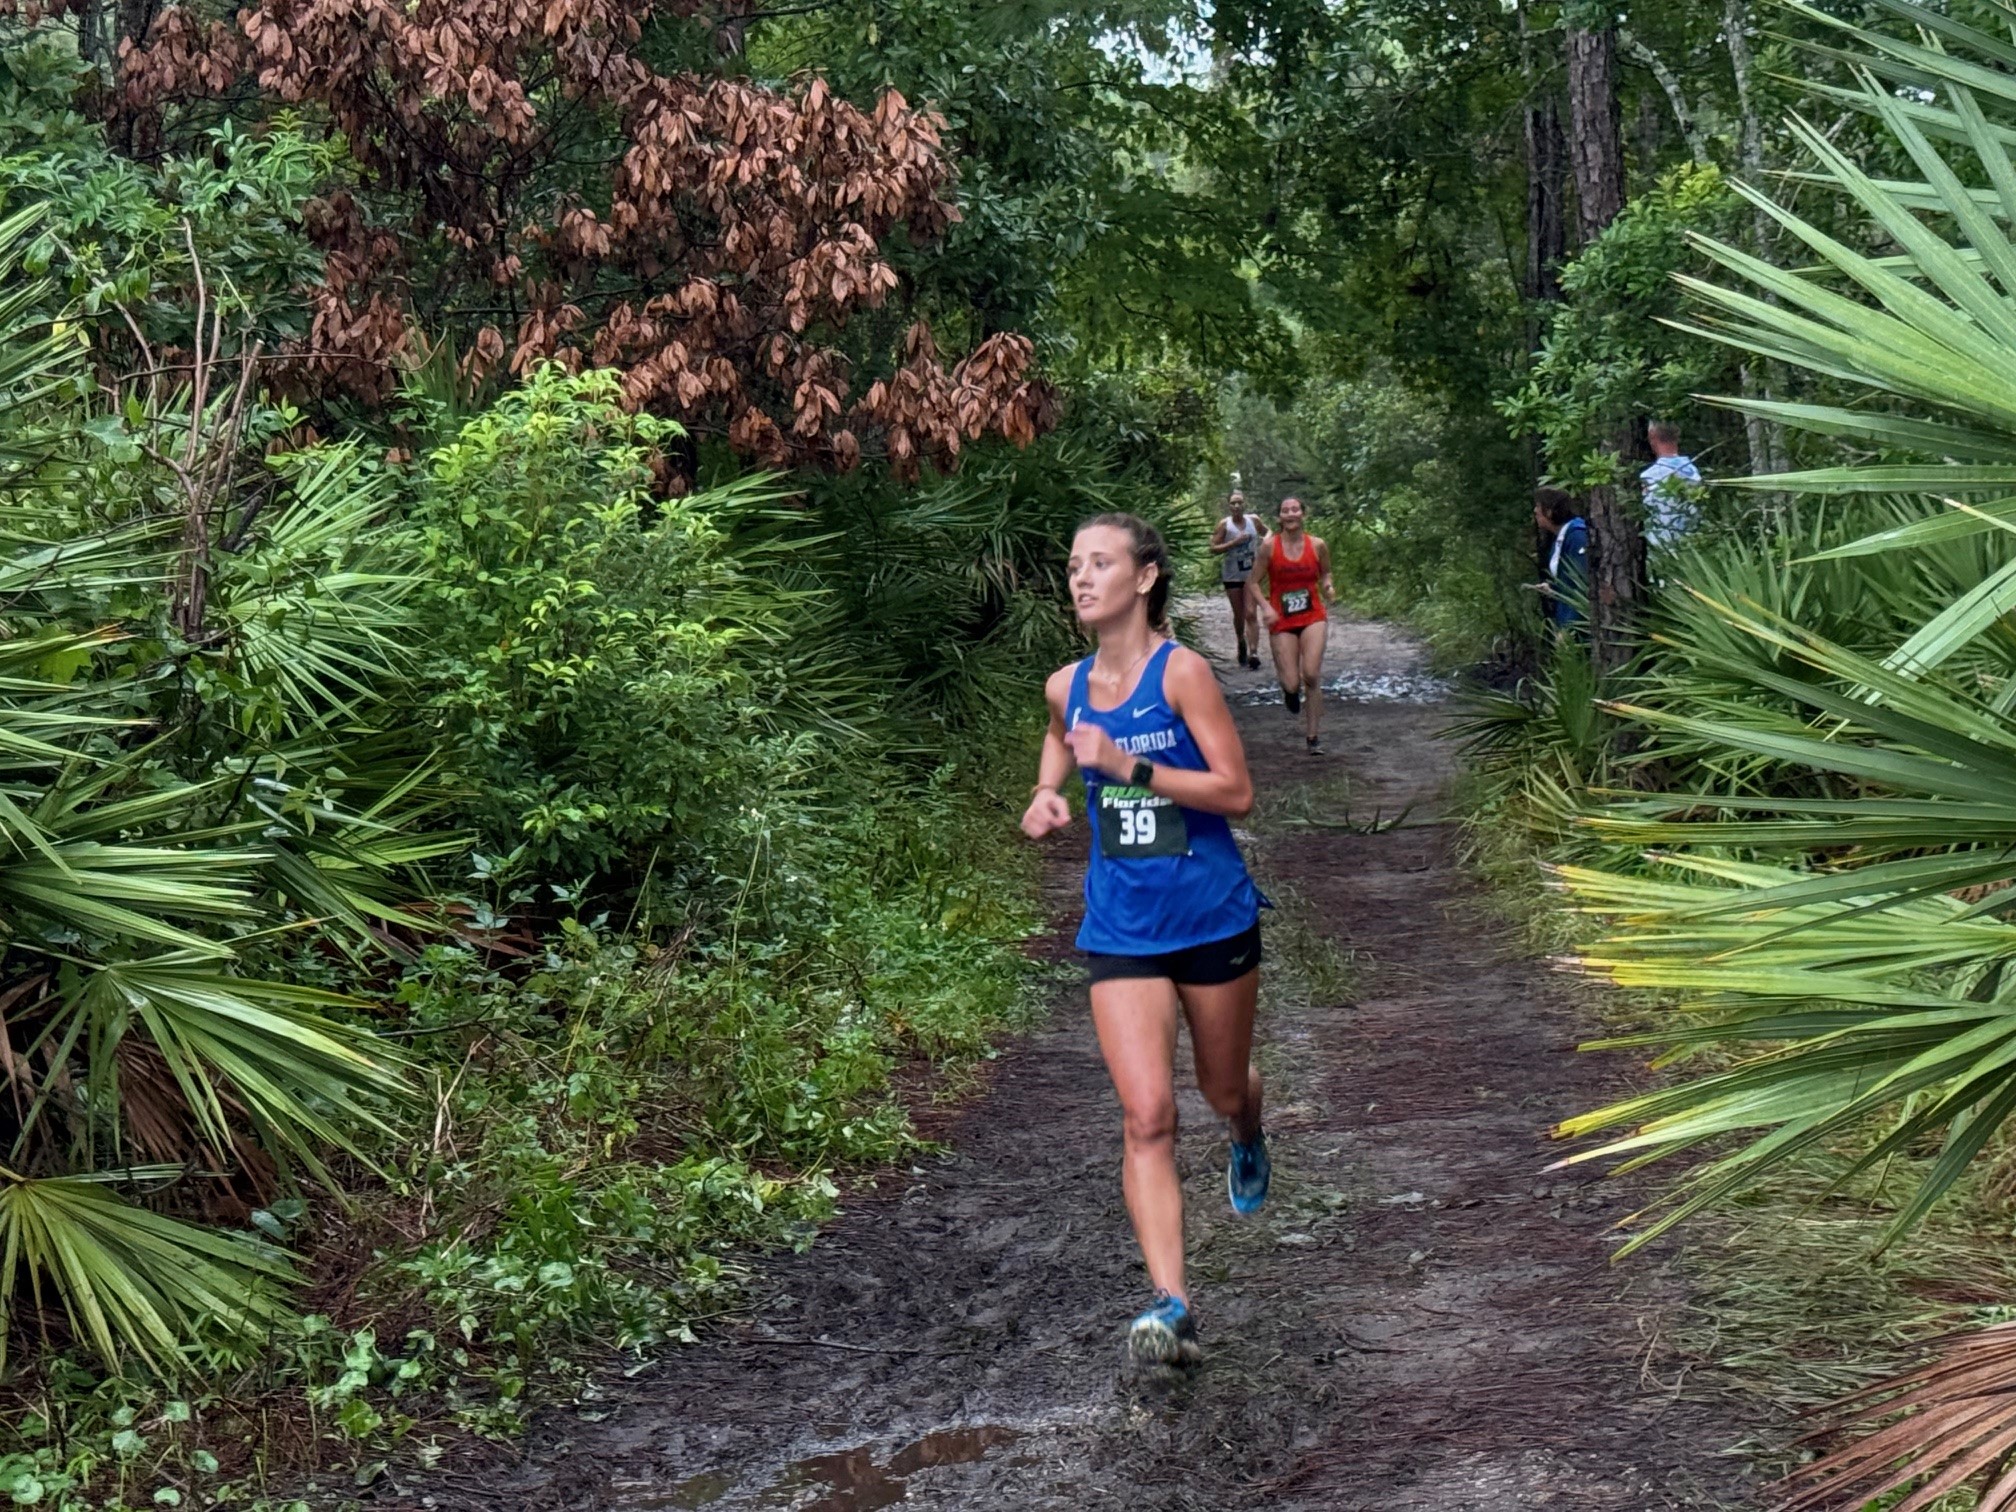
x: 1184, y: 883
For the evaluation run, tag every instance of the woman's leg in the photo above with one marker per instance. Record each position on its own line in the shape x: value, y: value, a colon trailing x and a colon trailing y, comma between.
x: 1235, y: 594
x: 1314, y: 638
x: 1136, y: 1020
x: 1221, y: 1039
x: 1288, y: 664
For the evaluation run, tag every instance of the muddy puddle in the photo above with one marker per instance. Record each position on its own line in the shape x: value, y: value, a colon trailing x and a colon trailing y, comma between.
x: 1351, y: 686
x: 849, y: 1480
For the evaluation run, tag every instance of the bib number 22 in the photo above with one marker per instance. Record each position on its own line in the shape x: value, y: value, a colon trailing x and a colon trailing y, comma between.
x: 1135, y: 823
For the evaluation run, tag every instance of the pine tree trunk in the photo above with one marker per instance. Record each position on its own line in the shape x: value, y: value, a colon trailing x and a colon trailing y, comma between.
x: 1598, y: 144
x: 1616, y: 536
x: 1546, y: 176
x: 1766, y: 441
x: 1546, y: 234
x: 1546, y: 200
x: 1616, y: 553
x: 1756, y: 435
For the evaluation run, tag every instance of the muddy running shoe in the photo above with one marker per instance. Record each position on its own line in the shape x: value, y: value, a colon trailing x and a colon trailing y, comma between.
x: 1315, y: 745
x: 1164, y: 1335
x: 1254, y: 663
x: 1247, y: 1174
x: 1293, y: 700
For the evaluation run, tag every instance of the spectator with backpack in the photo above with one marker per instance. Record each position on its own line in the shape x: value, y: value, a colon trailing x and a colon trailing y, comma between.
x: 1566, y: 587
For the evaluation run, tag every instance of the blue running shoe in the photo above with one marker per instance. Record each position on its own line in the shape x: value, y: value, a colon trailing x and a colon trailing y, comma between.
x: 1247, y: 1174
x: 1164, y: 1335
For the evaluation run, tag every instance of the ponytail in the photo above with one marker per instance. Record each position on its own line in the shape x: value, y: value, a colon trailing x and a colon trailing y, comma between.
x: 1147, y: 550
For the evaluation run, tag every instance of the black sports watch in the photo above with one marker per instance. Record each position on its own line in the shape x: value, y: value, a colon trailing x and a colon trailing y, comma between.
x: 1142, y: 774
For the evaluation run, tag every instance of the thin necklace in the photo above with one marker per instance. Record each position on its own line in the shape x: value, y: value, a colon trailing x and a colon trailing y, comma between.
x: 1115, y: 677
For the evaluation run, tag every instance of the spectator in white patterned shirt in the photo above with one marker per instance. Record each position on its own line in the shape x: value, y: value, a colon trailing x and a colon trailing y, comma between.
x: 1671, y: 487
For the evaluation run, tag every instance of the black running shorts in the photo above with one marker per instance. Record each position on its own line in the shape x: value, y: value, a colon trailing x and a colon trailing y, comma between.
x: 1206, y: 965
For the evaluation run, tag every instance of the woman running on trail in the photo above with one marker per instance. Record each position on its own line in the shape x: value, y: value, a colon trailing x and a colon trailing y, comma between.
x: 1291, y: 584
x: 1236, y: 542
x: 1172, y: 921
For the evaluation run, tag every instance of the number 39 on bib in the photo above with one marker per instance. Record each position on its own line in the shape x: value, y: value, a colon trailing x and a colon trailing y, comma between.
x: 1133, y: 822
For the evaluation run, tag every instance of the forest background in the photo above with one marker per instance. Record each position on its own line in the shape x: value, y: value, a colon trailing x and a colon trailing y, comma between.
x: 408, y: 407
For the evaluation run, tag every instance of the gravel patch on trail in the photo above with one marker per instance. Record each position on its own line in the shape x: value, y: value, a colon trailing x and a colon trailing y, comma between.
x: 1421, y: 1320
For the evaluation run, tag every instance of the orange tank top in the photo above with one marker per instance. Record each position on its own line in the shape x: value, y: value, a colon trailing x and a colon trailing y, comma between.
x: 1292, y: 584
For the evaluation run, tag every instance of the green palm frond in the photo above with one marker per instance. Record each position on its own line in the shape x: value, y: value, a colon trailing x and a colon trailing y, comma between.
x: 158, y: 861
x: 131, y: 1281
x: 1838, y: 998
x: 315, y: 604
x: 239, y: 1049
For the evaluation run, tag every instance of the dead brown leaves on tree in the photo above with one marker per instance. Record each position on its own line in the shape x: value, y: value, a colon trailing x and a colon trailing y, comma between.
x: 742, y: 231
x: 1950, y: 1423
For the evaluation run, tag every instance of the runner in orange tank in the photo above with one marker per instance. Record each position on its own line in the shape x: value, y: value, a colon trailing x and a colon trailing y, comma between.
x: 1293, y: 584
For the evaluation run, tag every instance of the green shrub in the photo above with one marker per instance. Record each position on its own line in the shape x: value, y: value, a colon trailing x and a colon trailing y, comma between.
x: 1609, y: 354
x: 577, y: 663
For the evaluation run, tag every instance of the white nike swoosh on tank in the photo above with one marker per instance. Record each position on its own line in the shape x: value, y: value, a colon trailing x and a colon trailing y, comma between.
x: 1143, y: 713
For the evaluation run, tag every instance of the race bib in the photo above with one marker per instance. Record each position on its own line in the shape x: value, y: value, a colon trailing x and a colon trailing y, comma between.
x: 1295, y: 601
x: 1134, y: 822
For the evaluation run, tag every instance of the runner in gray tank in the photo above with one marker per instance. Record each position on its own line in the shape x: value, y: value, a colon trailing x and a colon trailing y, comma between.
x: 1236, y: 543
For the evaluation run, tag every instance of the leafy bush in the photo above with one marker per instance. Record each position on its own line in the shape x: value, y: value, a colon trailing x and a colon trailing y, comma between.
x: 1609, y: 353
x: 578, y: 656
x: 625, y: 1119
x: 121, y: 234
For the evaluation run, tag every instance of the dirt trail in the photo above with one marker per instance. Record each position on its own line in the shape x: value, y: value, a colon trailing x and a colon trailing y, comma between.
x: 1419, y: 1320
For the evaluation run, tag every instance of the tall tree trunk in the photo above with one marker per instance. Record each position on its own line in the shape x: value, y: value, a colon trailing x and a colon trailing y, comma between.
x: 132, y: 21
x: 1546, y: 176
x: 1616, y: 535
x: 88, y: 23
x: 1736, y: 36
x: 1757, y: 437
x: 1597, y: 147
x: 1546, y: 230
x: 1546, y: 199
x: 1766, y: 442
x: 1546, y: 251
x: 135, y: 130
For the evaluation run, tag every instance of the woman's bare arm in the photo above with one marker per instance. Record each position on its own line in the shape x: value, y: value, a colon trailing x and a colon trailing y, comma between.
x: 1047, y: 809
x: 1055, y: 764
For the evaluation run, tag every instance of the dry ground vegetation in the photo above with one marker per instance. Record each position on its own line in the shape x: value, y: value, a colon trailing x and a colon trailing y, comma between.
x: 1423, y: 1318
